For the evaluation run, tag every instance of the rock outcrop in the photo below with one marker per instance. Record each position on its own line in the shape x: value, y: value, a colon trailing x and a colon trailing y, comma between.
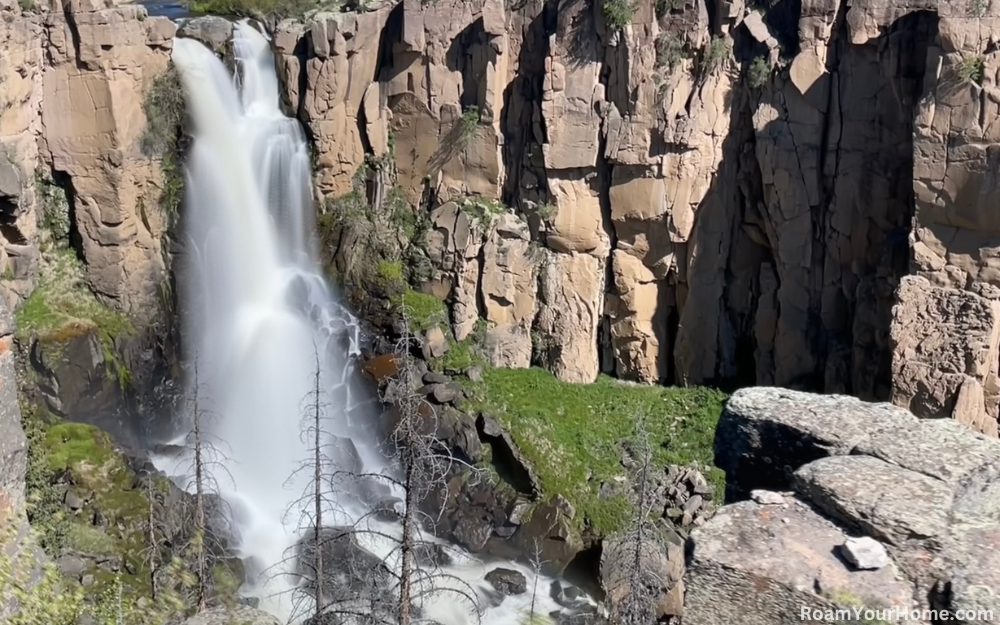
x: 21, y: 39
x: 78, y: 192
x: 101, y: 63
x: 927, y: 490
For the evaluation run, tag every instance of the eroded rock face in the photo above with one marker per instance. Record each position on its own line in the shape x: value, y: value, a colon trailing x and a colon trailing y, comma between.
x: 945, y: 343
x: 21, y: 39
x: 93, y: 119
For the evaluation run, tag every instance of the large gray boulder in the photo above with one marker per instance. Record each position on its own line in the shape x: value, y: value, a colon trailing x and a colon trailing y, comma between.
x: 756, y: 564
x: 928, y: 490
x: 213, y: 31
x: 241, y: 615
x: 765, y: 434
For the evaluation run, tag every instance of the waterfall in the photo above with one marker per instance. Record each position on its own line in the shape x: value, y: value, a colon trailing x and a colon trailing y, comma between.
x: 257, y: 311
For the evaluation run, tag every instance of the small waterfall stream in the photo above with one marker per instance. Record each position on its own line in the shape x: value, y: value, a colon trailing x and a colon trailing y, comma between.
x: 258, y: 311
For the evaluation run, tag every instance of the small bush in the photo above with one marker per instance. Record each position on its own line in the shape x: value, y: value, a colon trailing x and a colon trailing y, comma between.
x: 469, y: 122
x: 669, y: 51
x: 482, y: 209
x: 716, y: 54
x: 978, y: 8
x: 26, y: 5
x: 617, y: 13
x: 973, y: 70
x: 759, y: 73
x: 164, y: 109
x: 388, y: 272
x: 53, y: 213
x: 546, y: 210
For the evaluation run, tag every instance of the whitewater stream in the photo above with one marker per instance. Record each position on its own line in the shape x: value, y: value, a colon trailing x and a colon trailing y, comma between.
x: 257, y: 311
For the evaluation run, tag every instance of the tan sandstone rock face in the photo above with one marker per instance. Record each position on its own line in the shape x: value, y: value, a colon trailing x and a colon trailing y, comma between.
x: 696, y: 228
x: 21, y: 39
x: 93, y: 119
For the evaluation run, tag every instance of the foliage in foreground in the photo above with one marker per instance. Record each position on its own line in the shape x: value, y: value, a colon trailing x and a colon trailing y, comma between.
x: 571, y: 432
x: 42, y: 596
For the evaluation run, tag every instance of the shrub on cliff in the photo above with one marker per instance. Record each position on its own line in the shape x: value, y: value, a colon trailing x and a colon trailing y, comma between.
x: 759, y: 72
x: 972, y: 70
x: 164, y: 109
x: 715, y: 55
x: 617, y: 13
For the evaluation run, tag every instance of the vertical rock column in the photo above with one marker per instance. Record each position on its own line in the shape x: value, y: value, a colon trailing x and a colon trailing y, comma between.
x: 20, y: 120
x: 572, y: 276
x: 945, y: 326
x: 102, y: 60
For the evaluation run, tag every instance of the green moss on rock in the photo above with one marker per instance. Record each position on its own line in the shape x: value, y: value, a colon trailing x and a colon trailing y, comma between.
x: 571, y: 432
x: 62, y: 307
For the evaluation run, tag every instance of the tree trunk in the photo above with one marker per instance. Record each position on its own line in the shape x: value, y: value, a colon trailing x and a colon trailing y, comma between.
x: 405, y: 577
x: 199, y: 502
x: 318, y: 494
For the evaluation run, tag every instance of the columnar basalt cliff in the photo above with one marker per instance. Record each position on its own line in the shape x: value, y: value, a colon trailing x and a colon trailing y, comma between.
x: 713, y: 193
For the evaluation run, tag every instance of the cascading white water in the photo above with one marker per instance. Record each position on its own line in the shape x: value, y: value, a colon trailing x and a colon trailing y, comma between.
x: 258, y: 310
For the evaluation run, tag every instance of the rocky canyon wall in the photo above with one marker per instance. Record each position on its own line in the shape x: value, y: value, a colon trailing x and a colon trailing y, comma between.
x: 714, y: 193
x: 82, y: 218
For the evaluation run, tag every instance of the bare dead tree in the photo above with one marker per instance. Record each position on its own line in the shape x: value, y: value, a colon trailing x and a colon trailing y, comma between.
x: 391, y: 591
x: 424, y: 465
x: 536, y: 566
x: 363, y: 588
x: 209, y: 519
x: 635, y: 584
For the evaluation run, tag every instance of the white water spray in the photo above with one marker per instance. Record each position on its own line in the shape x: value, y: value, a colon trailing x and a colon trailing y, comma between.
x: 257, y: 307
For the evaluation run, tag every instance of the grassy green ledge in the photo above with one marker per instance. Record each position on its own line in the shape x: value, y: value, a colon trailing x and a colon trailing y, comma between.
x: 571, y: 432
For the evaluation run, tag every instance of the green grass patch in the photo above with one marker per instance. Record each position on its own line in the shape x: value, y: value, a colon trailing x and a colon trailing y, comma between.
x: 97, y: 471
x: 571, y: 432
x: 388, y: 271
x: 425, y: 311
